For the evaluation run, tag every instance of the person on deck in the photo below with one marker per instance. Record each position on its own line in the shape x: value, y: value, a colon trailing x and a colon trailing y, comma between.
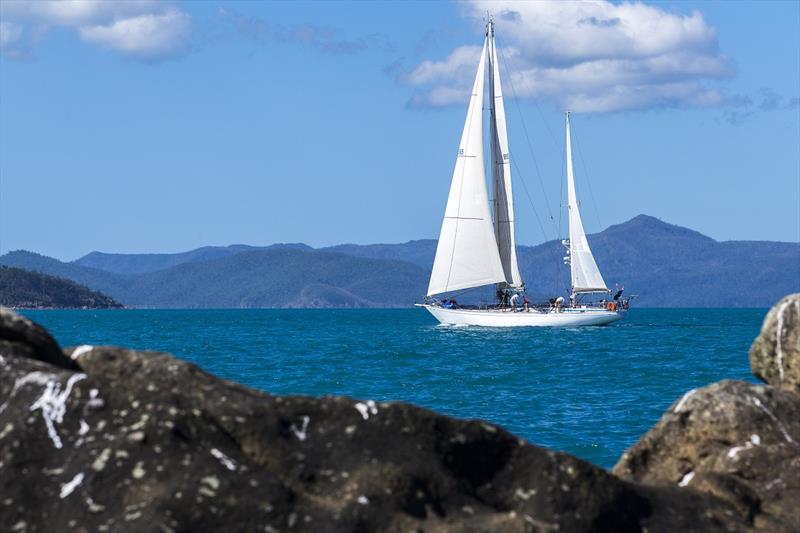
x: 513, y: 300
x: 619, y: 293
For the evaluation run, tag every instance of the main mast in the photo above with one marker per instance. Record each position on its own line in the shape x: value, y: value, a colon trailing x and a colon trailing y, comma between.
x: 503, y: 204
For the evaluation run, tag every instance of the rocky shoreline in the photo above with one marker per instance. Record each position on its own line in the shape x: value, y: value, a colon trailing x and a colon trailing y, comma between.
x: 109, y: 439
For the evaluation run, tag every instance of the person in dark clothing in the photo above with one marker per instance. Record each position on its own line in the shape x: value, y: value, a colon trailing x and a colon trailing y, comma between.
x: 619, y: 293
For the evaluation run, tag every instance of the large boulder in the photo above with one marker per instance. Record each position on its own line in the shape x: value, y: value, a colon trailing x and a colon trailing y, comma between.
x: 733, y: 440
x: 775, y: 354
x: 21, y: 337
x: 143, y: 441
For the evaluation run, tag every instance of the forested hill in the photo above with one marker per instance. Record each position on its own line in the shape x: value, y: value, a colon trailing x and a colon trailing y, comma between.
x: 666, y: 265
x: 33, y: 290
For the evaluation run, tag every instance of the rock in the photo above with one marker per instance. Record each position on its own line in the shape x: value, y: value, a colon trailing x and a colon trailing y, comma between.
x: 733, y: 440
x: 775, y: 354
x: 20, y: 337
x: 145, y: 441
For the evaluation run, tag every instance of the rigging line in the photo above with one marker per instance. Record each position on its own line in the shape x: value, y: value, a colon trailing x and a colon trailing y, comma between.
x: 589, y: 183
x: 527, y: 137
x: 528, y: 194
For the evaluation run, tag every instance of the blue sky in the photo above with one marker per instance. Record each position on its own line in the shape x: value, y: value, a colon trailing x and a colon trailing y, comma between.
x: 163, y: 126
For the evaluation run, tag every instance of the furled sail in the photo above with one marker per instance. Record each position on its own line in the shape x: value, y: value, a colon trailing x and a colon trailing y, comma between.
x: 585, y: 275
x: 467, y: 255
x: 501, y: 174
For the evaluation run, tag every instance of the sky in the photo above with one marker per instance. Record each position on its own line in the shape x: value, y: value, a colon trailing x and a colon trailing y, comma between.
x: 162, y: 126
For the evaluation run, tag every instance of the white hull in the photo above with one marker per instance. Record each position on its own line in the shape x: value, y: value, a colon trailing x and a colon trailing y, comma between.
x: 499, y: 318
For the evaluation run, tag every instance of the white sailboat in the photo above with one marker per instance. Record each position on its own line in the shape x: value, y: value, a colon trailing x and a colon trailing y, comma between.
x: 477, y: 244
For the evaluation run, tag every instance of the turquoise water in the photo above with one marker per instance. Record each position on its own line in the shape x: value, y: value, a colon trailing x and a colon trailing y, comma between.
x: 589, y: 391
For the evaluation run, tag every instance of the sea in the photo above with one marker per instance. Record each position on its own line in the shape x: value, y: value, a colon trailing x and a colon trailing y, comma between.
x: 592, y: 391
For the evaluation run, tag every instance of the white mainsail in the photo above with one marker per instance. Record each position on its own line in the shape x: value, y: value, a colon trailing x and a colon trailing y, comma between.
x: 467, y: 255
x: 501, y: 174
x: 586, y: 276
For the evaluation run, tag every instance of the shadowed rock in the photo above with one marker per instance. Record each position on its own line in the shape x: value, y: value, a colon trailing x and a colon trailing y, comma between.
x: 144, y: 441
x: 20, y: 337
x: 775, y: 354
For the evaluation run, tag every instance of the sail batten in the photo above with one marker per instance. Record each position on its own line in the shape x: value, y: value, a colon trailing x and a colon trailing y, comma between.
x: 586, y: 276
x: 501, y: 174
x: 467, y: 253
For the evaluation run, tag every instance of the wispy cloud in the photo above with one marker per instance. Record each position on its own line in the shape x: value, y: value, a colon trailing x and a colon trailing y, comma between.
x: 587, y: 56
x: 743, y: 108
x: 323, y: 39
x: 146, y: 30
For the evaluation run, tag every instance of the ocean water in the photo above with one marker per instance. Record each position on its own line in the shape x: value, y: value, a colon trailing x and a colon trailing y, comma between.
x: 589, y: 391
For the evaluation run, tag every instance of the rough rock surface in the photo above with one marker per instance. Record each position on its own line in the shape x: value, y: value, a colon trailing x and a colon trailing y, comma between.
x: 775, y: 354
x: 734, y: 440
x: 139, y: 441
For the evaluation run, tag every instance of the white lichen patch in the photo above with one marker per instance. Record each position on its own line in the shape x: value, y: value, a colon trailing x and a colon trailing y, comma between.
x: 686, y: 479
x: 366, y: 408
x: 226, y: 461
x: 524, y: 494
x: 9, y: 427
x: 211, y: 481
x: 34, y: 378
x: 754, y: 441
x: 682, y: 401
x: 53, y: 405
x: 363, y: 500
x: 101, y: 460
x: 68, y: 487
x: 94, y: 507
x: 80, y: 350
x: 138, y: 471
x: 301, y: 433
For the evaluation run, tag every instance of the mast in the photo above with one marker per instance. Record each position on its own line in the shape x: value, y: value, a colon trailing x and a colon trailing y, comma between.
x: 586, y: 276
x: 467, y: 254
x: 503, y: 205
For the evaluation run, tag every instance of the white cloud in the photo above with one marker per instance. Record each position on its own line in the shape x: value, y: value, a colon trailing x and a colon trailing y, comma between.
x: 587, y: 56
x: 151, y: 36
x: 148, y: 30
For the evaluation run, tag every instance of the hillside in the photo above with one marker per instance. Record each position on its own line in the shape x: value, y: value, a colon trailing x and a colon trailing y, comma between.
x: 666, y: 265
x: 33, y: 290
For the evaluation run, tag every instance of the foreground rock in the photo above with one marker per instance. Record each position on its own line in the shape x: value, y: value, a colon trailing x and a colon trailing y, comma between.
x: 775, y: 354
x: 733, y: 440
x: 145, y: 442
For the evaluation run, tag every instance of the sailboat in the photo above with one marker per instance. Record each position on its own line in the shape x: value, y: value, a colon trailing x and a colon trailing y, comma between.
x: 477, y: 242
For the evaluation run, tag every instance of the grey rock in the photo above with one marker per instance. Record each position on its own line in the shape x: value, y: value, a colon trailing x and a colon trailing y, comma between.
x: 775, y: 354
x: 733, y: 440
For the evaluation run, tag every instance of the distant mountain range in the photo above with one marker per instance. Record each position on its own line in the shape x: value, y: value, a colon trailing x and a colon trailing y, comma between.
x: 664, y: 264
x: 33, y: 290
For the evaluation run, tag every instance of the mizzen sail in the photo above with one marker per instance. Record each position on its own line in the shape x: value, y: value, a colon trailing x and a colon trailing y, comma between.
x: 586, y: 276
x: 501, y: 174
x: 467, y: 254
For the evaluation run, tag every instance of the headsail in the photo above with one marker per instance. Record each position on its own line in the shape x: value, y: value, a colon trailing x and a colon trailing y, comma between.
x: 586, y: 276
x: 467, y: 255
x: 501, y: 173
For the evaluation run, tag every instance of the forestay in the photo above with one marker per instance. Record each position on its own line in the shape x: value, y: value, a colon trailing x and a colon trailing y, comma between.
x: 467, y: 254
x: 501, y: 174
x: 586, y: 276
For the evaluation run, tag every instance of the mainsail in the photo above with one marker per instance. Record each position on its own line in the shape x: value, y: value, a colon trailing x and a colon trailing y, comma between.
x: 467, y: 254
x: 501, y: 174
x: 585, y: 275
